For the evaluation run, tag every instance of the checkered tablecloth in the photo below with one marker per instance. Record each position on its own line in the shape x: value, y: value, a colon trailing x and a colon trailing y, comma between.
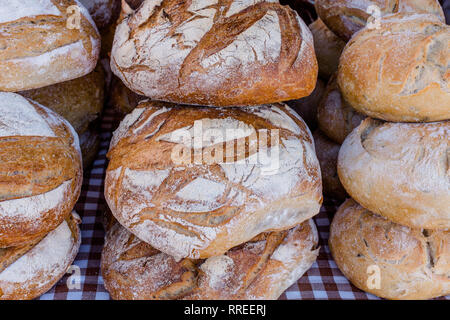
x: 322, y: 281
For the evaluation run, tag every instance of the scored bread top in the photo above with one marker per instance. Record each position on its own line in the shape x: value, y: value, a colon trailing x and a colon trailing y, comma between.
x: 215, y: 52
x: 40, y: 169
x: 38, y: 47
x: 199, y: 208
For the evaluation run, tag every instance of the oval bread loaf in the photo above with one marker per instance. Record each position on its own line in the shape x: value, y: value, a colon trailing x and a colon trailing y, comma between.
x: 411, y: 263
x: 259, y: 269
x: 26, y: 272
x: 195, y: 182
x: 208, y: 52
x: 41, y: 43
x: 400, y: 71
x: 102, y: 11
x: 400, y: 171
x: 40, y: 170
x: 346, y: 17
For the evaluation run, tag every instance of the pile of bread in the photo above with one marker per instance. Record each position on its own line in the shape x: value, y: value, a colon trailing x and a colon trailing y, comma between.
x: 383, y: 139
x: 52, y: 92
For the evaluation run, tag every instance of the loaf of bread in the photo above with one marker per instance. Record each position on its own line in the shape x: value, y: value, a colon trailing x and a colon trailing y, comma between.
x: 335, y: 116
x: 262, y: 268
x: 102, y: 11
x: 89, y: 145
x: 346, y: 17
x: 26, y: 272
x: 195, y: 182
x: 399, y: 71
x: 122, y: 99
x: 222, y: 53
x: 387, y: 259
x: 43, y: 45
x: 328, y: 48
x: 40, y: 170
x: 327, y: 153
x: 307, y: 107
x: 400, y: 171
x: 79, y: 101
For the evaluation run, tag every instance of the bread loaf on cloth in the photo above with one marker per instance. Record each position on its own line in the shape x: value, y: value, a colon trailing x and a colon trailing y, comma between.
x: 328, y: 48
x: 209, y: 52
x: 262, y: 268
x: 41, y: 43
x: 28, y: 271
x: 336, y: 118
x: 400, y: 71
x: 40, y: 170
x: 387, y: 259
x: 399, y: 170
x: 327, y: 153
x: 102, y: 11
x: 122, y: 99
x: 195, y: 182
x: 346, y: 17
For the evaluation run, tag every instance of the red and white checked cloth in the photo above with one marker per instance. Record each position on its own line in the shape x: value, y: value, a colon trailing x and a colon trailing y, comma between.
x: 322, y: 281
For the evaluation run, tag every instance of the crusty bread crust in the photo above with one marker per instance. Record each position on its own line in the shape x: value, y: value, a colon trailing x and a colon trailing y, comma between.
x: 260, y: 269
x: 413, y: 263
x: 201, y: 208
x: 399, y: 72
x: 39, y: 50
x: 220, y: 53
x: 40, y: 170
x: 346, y: 17
x: 335, y: 116
x: 29, y: 272
x: 327, y: 153
x: 400, y: 171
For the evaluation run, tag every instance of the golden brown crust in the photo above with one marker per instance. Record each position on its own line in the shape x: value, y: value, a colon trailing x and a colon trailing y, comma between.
x: 335, y: 116
x: 412, y: 263
x: 346, y: 17
x: 400, y: 171
x: 40, y: 170
x: 229, y: 54
x: 79, y: 101
x: 35, y: 269
x: 259, y: 269
x: 399, y: 72
x: 40, y: 50
x: 328, y: 48
x: 191, y: 207
x: 327, y: 153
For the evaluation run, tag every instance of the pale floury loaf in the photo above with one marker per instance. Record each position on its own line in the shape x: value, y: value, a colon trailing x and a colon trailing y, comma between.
x: 202, y: 207
x: 400, y: 171
x: 399, y: 71
x: 259, y: 269
x: 214, y: 52
x: 37, y: 46
x: 40, y: 170
x: 387, y: 259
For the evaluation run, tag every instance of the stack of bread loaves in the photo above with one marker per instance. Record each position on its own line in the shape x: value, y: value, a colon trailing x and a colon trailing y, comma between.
x: 214, y: 184
x: 50, y: 57
x: 392, y: 237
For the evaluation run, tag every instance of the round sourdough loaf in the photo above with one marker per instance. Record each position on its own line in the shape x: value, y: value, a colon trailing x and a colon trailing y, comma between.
x: 102, y: 11
x: 209, y: 52
x: 328, y: 48
x: 40, y: 170
x: 399, y: 71
x: 41, y: 43
x: 122, y: 99
x: 327, y: 153
x: 79, y: 101
x: 195, y: 182
x: 335, y: 116
x: 259, y: 269
x: 346, y: 17
x: 409, y: 263
x: 400, y: 171
x: 26, y: 272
